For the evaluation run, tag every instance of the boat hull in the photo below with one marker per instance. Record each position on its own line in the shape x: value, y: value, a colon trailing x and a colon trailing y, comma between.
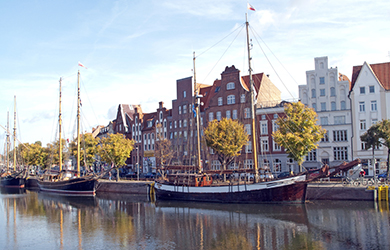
x: 13, y: 182
x: 77, y: 186
x: 289, y: 190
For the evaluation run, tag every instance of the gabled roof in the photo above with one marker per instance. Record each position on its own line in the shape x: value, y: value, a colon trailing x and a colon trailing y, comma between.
x: 380, y: 70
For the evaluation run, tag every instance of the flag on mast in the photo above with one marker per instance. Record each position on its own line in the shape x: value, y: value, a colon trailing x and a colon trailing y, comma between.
x: 250, y: 7
x: 82, y: 65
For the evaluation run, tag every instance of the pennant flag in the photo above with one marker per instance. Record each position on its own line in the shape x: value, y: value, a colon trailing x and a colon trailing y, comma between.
x: 250, y: 7
x: 82, y: 65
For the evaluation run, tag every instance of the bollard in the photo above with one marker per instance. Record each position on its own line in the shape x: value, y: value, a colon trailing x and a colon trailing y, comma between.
x: 383, y: 193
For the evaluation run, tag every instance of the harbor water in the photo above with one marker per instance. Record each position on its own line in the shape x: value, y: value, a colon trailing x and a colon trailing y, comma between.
x: 36, y: 220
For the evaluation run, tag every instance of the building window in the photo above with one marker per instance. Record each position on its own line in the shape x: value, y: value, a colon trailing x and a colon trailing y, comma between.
x: 277, y: 147
x: 262, y: 117
x: 313, y: 93
x: 248, y: 163
x: 362, y: 125
x: 175, y: 124
x: 314, y: 106
x: 312, y: 156
x: 184, y: 123
x: 179, y: 123
x: 211, y: 116
x: 342, y: 105
x: 247, y: 128
x: 374, y: 121
x: 373, y: 106
x: 362, y: 107
x: 275, y: 126
x: 362, y: 90
x: 324, y: 120
x: 234, y: 114
x: 220, y: 101
x: 184, y: 94
x: 184, y: 109
x: 264, y: 127
x: 247, y: 113
x: 231, y: 99
x: 333, y: 106
x: 326, y: 137
x: 322, y: 80
x: 323, y: 106
x: 228, y: 115
x: 322, y: 92
x: 277, y: 165
x: 230, y: 85
x: 332, y: 91
x: 339, y: 119
x: 243, y: 98
x: 340, y: 153
x: 372, y: 89
x: 219, y: 116
x: 248, y: 148
x: 264, y: 144
x: 179, y: 110
x: 340, y: 135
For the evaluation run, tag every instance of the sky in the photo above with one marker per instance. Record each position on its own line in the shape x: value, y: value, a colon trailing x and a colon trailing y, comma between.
x: 135, y: 51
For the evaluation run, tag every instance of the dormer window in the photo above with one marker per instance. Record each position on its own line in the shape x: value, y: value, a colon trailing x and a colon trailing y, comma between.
x: 230, y: 85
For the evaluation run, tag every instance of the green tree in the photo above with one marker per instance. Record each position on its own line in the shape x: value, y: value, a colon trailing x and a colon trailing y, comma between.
x: 384, y: 133
x: 298, y: 132
x: 88, y: 149
x: 377, y: 135
x: 33, y: 154
x: 115, y: 149
x: 53, y: 153
x: 226, y: 138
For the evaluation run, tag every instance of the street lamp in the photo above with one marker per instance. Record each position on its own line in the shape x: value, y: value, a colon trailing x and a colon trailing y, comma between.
x: 137, y: 164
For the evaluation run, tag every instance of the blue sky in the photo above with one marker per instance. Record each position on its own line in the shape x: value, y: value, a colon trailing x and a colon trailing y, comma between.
x: 136, y: 50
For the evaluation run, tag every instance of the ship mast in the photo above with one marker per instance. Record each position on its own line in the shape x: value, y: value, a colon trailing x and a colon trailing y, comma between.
x: 252, y: 96
x: 14, y: 133
x: 60, y: 128
x: 78, y: 124
x: 8, y: 142
x: 196, y: 106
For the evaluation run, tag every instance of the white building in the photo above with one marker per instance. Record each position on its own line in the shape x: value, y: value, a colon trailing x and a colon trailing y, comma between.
x: 326, y: 91
x: 370, y: 99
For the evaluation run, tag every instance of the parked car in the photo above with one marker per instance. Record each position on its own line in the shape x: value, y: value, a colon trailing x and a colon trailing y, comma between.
x: 383, y: 175
x: 283, y: 175
x: 149, y: 175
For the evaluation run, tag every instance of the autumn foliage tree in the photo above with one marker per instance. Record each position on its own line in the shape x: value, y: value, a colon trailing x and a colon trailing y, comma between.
x: 88, y: 149
x: 298, y: 131
x: 226, y: 138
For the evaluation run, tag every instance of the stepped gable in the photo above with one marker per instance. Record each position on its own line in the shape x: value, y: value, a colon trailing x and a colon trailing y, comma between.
x: 381, y: 71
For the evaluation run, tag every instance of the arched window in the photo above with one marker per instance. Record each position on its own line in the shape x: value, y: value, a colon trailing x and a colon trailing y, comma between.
x: 230, y: 85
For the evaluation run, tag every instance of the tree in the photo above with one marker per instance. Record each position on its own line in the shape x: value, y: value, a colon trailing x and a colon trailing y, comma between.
x: 33, y: 154
x: 163, y: 149
x: 298, y: 132
x: 53, y: 153
x: 115, y: 149
x: 384, y: 133
x: 226, y: 138
x: 88, y: 149
x: 378, y: 134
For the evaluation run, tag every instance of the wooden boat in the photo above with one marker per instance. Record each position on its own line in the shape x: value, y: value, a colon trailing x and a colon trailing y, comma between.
x: 12, y: 179
x: 199, y: 186
x: 67, y: 182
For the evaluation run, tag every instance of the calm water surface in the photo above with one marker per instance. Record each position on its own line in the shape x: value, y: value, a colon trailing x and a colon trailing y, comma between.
x: 32, y: 220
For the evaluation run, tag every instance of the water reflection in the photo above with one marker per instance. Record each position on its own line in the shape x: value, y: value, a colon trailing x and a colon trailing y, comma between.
x: 47, y: 221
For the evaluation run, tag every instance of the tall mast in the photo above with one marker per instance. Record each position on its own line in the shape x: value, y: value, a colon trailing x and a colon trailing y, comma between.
x: 8, y: 142
x: 15, y: 133
x: 60, y: 128
x: 196, y: 106
x: 78, y: 124
x: 252, y: 96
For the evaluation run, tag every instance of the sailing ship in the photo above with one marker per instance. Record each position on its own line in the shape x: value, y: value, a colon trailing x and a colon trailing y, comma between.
x: 14, y: 179
x: 201, y: 188
x: 67, y: 182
